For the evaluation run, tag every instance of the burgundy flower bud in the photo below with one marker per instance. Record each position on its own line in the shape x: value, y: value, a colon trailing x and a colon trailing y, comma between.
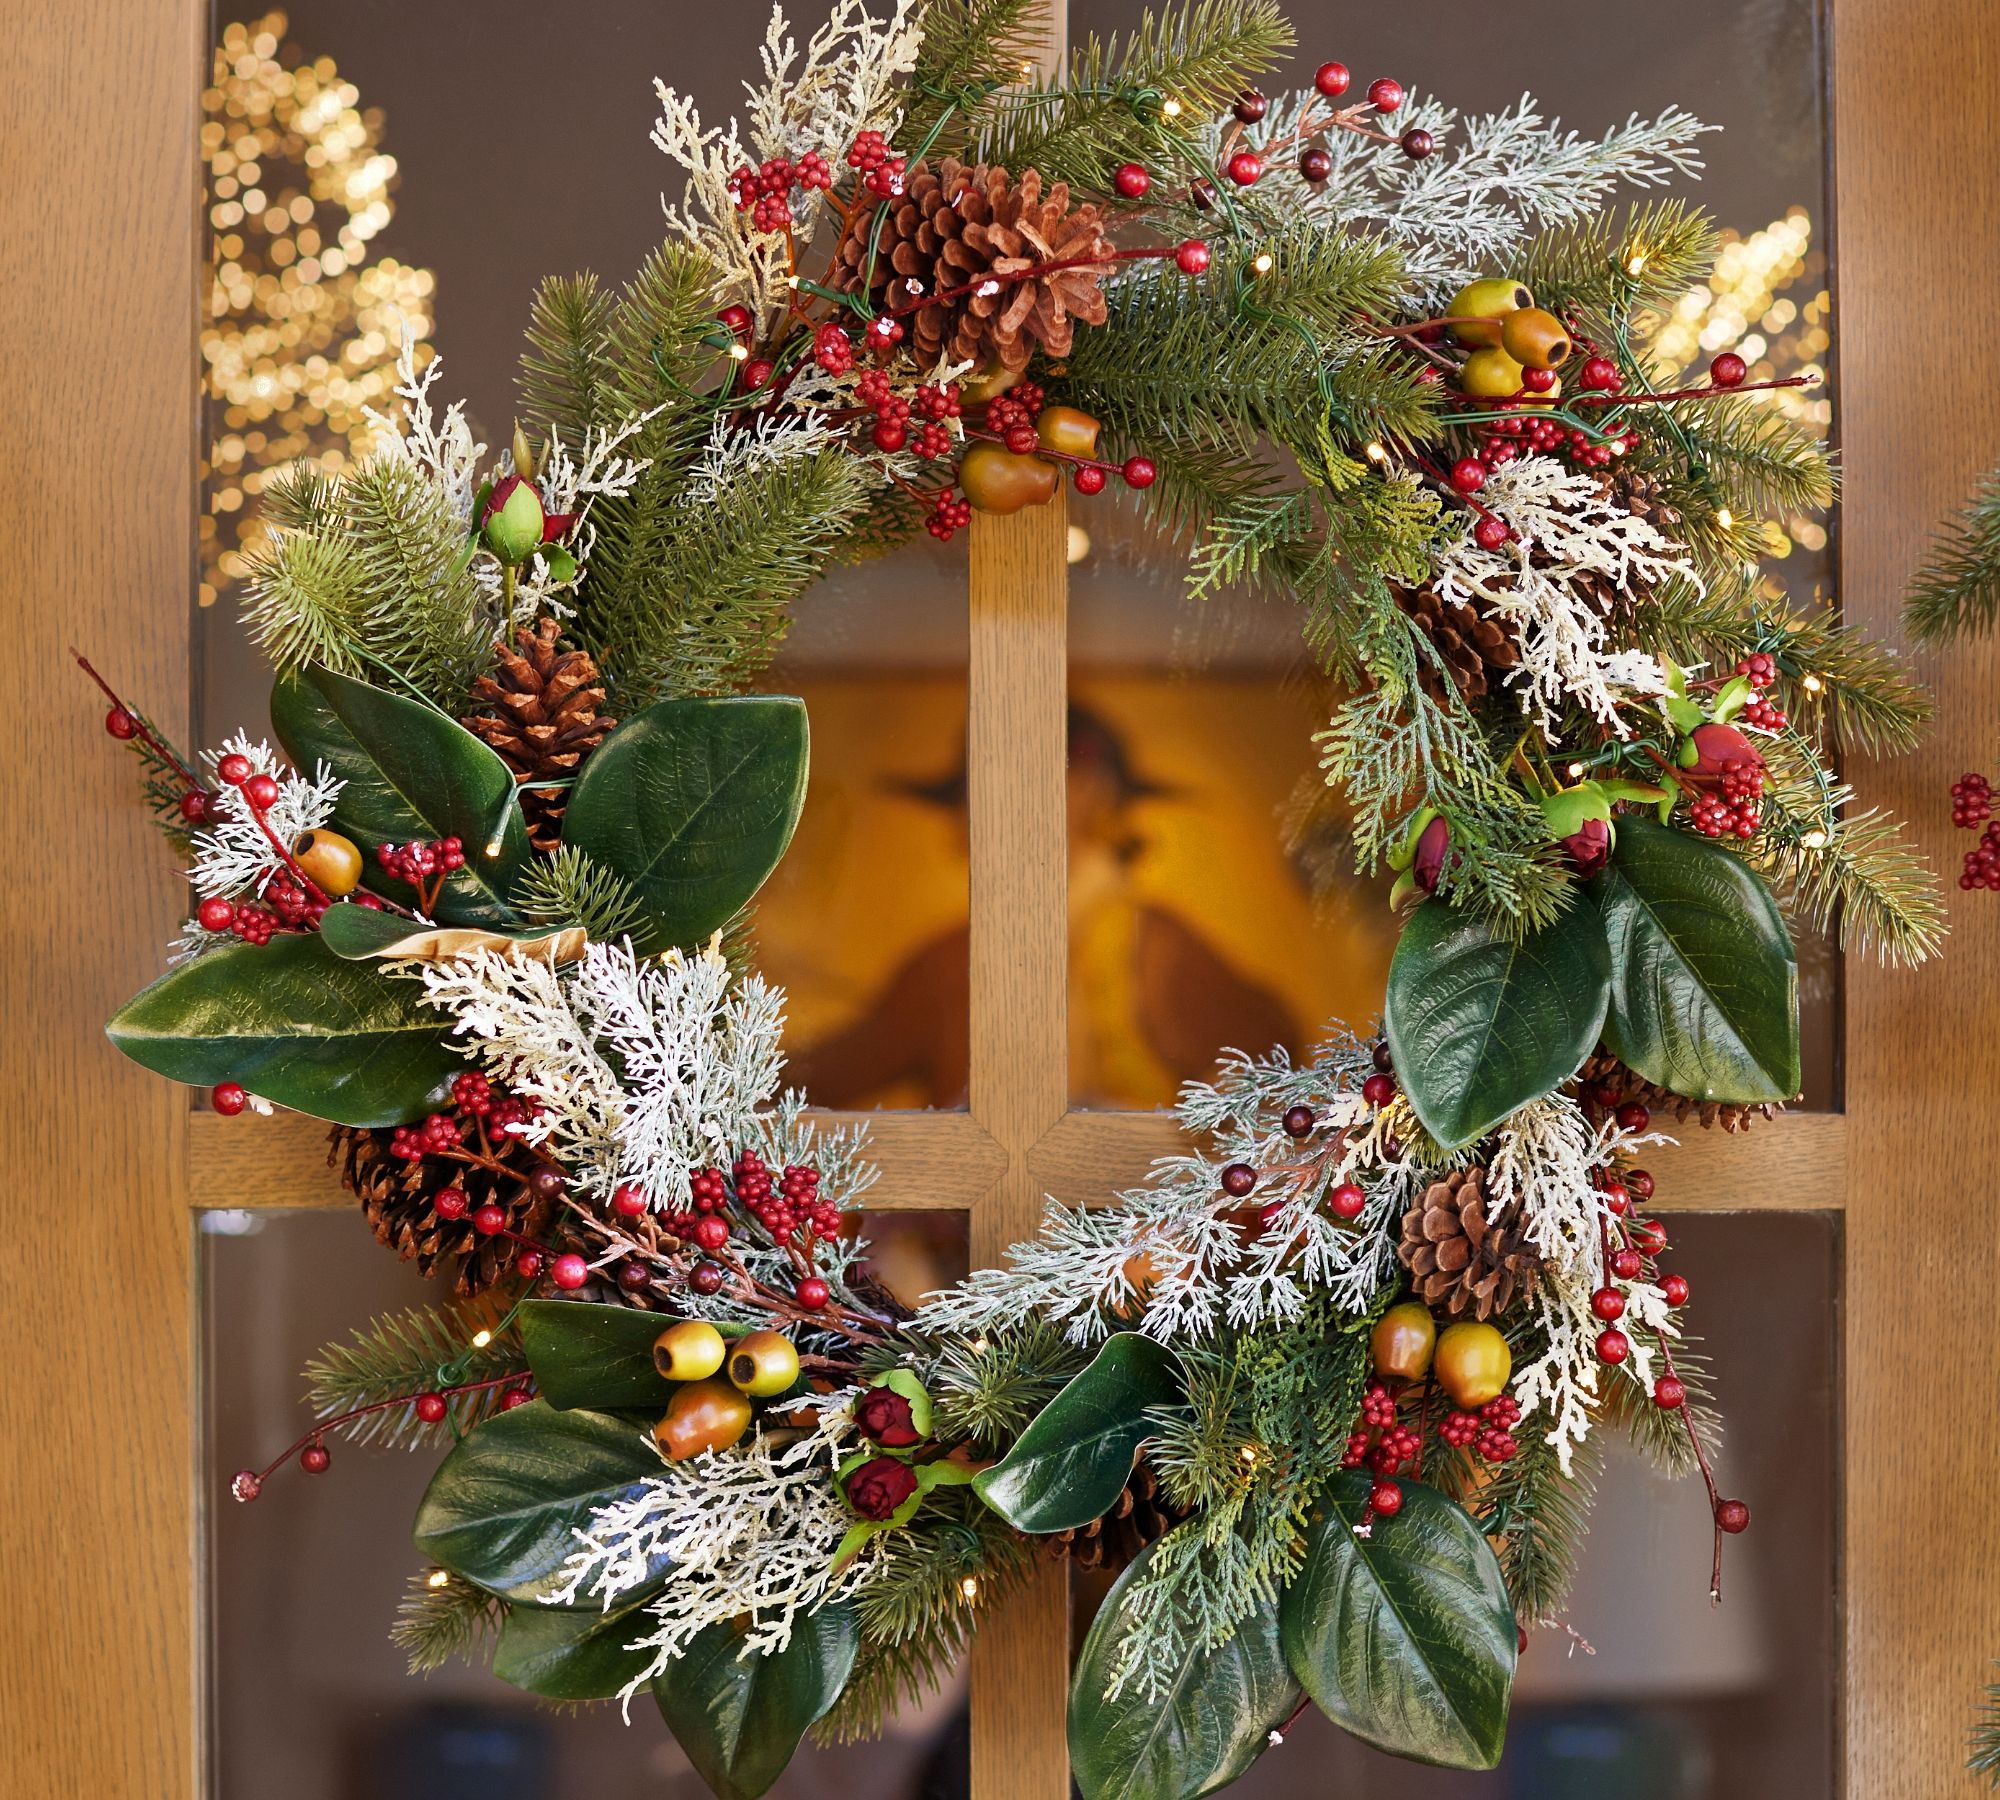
x: 1433, y: 844
x: 1589, y: 846
x: 1716, y: 748
x: 879, y: 1486
x: 884, y: 1415
x: 513, y: 520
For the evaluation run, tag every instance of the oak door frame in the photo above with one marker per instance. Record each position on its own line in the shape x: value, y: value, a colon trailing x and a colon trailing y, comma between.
x: 99, y: 1539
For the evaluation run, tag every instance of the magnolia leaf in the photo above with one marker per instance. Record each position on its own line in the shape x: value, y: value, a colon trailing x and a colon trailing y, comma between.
x: 1480, y: 1023
x: 597, y: 1357
x: 739, y: 1717
x: 565, y: 1655
x: 1405, y: 1636
x: 504, y: 1507
x: 411, y: 774
x: 693, y: 802
x: 361, y: 934
x: 1212, y: 1722
x: 292, y: 1022
x: 1076, y: 1455
x: 1704, y: 979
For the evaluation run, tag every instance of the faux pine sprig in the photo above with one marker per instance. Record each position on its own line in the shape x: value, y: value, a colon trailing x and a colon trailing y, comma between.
x: 1956, y: 589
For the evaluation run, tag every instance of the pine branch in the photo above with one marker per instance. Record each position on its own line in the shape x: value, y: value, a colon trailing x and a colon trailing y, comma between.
x: 1662, y: 1437
x: 408, y: 1353
x: 442, y: 1617
x: 300, y: 499
x: 1539, y: 1517
x: 987, y: 1396
x: 566, y: 379
x: 571, y: 888
x: 1741, y: 455
x: 307, y: 600
x: 1956, y: 589
x: 1985, y: 1756
x: 972, y: 49
x: 1587, y: 266
x: 1107, y: 109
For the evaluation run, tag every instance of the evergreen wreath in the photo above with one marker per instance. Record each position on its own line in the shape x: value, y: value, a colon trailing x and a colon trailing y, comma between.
x: 1333, y: 1384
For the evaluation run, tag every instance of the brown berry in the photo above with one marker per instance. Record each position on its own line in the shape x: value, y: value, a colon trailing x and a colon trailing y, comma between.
x: 1403, y: 1341
x: 1535, y: 339
x: 1732, y: 1515
x: 332, y: 863
x: 995, y: 480
x: 689, y: 1351
x: 1472, y: 1364
x: 1067, y: 430
x: 703, y: 1415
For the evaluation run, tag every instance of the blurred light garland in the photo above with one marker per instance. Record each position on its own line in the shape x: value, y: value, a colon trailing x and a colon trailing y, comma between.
x: 299, y: 335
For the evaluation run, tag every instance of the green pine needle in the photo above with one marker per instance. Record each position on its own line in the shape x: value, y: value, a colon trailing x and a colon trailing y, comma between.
x: 441, y: 1621
x: 401, y: 1355
x: 1956, y: 590
x: 1985, y: 1756
x: 987, y: 1395
x: 308, y: 601
x: 972, y: 50
x: 1587, y: 266
x: 572, y: 888
x: 1539, y: 1517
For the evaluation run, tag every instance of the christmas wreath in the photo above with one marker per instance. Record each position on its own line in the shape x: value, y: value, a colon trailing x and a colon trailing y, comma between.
x: 1331, y: 1387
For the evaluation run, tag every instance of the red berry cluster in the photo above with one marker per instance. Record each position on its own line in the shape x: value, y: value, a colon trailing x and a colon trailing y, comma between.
x: 1972, y: 805
x: 477, y: 1106
x: 934, y: 405
x: 1971, y: 800
x: 782, y: 1206
x: 1761, y: 670
x: 765, y: 192
x: 1488, y: 1433
x: 950, y: 512
x: 1013, y: 416
x: 1733, y: 810
x: 1378, y: 1443
x: 414, y: 863
x: 881, y: 168
x: 1982, y: 862
x: 833, y: 349
x: 254, y: 924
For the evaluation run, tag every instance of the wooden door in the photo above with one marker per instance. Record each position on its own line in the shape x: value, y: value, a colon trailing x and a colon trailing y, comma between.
x: 99, y: 1660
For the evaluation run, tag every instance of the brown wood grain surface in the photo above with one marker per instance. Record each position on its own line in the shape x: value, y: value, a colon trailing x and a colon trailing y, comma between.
x: 98, y: 296
x: 1918, y: 239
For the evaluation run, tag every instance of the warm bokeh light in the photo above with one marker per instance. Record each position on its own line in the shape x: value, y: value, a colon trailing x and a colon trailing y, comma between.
x: 301, y: 326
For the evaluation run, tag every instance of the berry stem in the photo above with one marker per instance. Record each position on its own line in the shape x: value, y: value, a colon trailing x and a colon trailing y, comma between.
x: 1033, y: 270
x: 323, y: 1426
x: 1707, y: 1475
x: 165, y: 752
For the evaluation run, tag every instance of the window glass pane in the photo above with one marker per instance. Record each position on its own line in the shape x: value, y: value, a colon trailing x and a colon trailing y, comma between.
x: 309, y: 1698
x: 1645, y: 1689
x: 1211, y: 901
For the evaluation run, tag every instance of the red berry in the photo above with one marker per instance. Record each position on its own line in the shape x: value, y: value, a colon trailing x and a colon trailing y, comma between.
x: 234, y: 769
x: 261, y: 791
x: 314, y: 1459
x: 1379, y: 1090
x: 1674, y: 1290
x: 569, y: 1271
x: 1728, y: 370
x: 1192, y: 257
x: 1347, y: 1201
x: 1417, y: 143
x: 1332, y: 79
x: 1732, y: 1515
x: 1628, y: 1265
x: 629, y: 1202
x: 1650, y: 1236
x: 490, y: 1220
x: 528, y: 1265
x: 813, y: 1293
x: 756, y: 372
x: 1238, y: 1179
x: 706, y: 1278
x: 1299, y: 1121
x: 246, y: 1485
x: 1490, y: 533
x: 634, y: 1277
x: 1539, y: 381
x: 215, y: 914
x: 1640, y: 1182
x: 1131, y: 180
x: 1089, y: 479
x: 737, y: 318
x: 228, y: 1099
x: 1386, y: 1499
x: 1634, y: 1116
x: 711, y: 1233
x: 1245, y: 167
x: 1468, y: 475
x: 121, y: 724
x: 1021, y: 439
x: 430, y: 1408
x: 1384, y: 94
x: 513, y: 1397
x: 1608, y: 1304
x: 450, y: 1203
x: 1617, y: 1202
x: 1600, y: 373
x: 1315, y: 163
x: 1613, y: 1346
x: 195, y: 804
x: 1139, y: 472
x: 889, y: 436
x: 1669, y: 1394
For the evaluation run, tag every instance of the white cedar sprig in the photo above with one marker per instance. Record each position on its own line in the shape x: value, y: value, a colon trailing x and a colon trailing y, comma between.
x: 232, y: 856
x: 1567, y: 529
x: 442, y: 448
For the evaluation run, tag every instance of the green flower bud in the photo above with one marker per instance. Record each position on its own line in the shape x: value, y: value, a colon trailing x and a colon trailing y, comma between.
x: 512, y: 526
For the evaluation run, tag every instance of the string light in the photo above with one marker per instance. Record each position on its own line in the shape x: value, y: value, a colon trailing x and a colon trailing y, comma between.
x: 1635, y: 264
x: 1724, y: 517
x: 1375, y: 453
x: 1812, y: 684
x: 979, y: 1346
x: 1172, y: 108
x: 437, y: 1578
x: 1814, y: 840
x: 969, y: 1589
x: 480, y: 1339
x: 1262, y: 263
x: 1249, y: 1453
x: 494, y: 846
x: 739, y: 352
x: 1575, y: 771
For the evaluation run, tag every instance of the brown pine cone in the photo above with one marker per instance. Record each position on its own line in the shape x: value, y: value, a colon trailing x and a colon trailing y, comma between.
x: 1639, y: 495
x: 543, y: 719
x: 1141, y: 1516
x: 1473, y: 647
x: 397, y: 1198
x: 1461, y: 1260
x: 1619, y: 1084
x: 972, y: 228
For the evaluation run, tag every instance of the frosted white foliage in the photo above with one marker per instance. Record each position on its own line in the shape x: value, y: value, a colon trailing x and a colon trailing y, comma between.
x: 1492, y: 182
x: 1546, y: 1159
x: 441, y: 447
x: 748, y: 1532
x: 232, y: 856
x: 733, y: 454
x: 1567, y: 529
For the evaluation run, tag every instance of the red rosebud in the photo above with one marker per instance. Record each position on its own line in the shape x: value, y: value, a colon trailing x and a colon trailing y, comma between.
x: 884, y: 1415
x: 1433, y: 845
x: 879, y: 1486
x: 1589, y: 846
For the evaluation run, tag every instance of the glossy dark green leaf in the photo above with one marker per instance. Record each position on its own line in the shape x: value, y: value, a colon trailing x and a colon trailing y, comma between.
x: 411, y: 773
x: 504, y: 1506
x: 1212, y: 1722
x: 361, y: 934
x: 1405, y: 1637
x: 291, y: 1021
x: 740, y: 1718
x: 1480, y: 1024
x: 693, y: 802
x: 1075, y: 1457
x: 593, y: 1356
x: 1704, y: 980
x: 567, y: 1655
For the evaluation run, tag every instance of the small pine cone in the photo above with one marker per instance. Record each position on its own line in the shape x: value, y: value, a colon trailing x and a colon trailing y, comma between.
x: 959, y: 228
x: 397, y: 1199
x: 542, y: 719
x: 1460, y: 1260
x: 1605, y: 1071
x: 1640, y: 496
x: 1473, y: 647
x: 1140, y: 1516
